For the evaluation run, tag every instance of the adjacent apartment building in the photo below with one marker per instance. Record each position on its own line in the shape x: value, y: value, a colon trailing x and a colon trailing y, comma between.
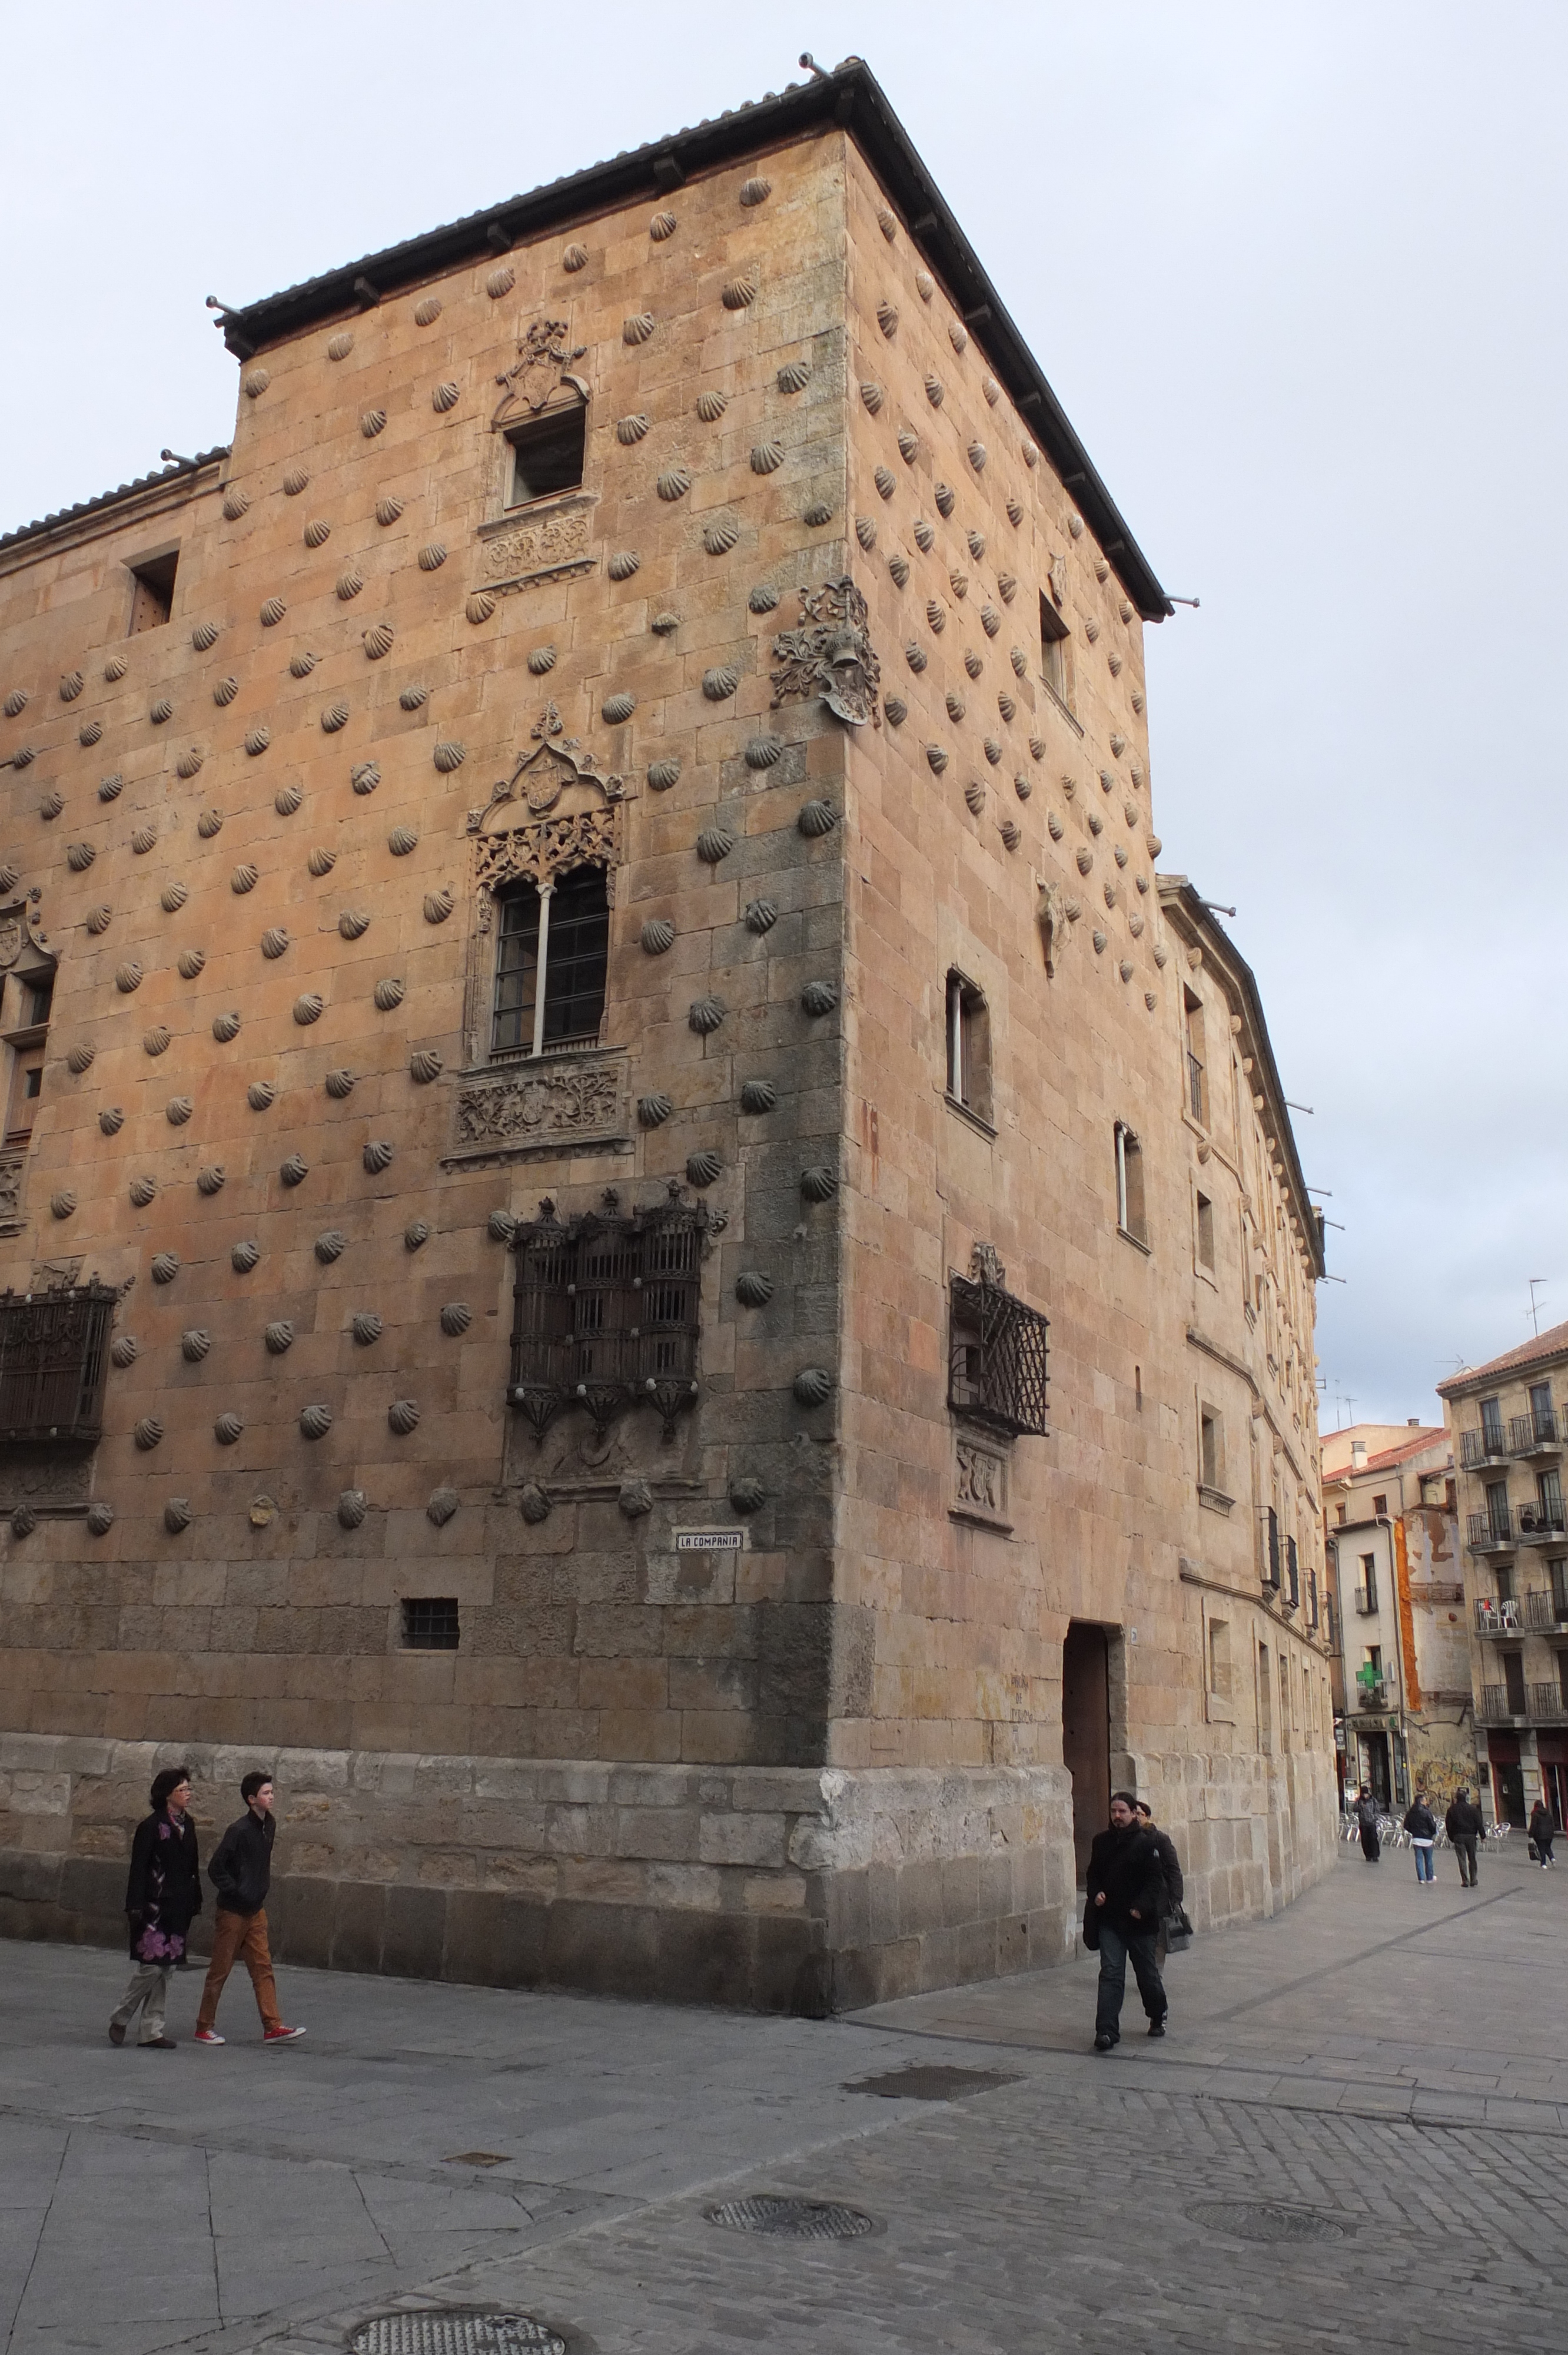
x: 1505, y: 1419
x: 644, y: 1251
x: 1401, y: 1661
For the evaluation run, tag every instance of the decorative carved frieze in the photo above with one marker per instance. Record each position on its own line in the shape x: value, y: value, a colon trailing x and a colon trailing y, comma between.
x: 546, y: 1105
x: 556, y: 547
x: 979, y: 1485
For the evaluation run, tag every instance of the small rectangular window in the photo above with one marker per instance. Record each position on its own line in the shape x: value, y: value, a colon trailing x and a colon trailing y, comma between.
x: 153, y: 592
x: 1220, y: 1658
x: 1197, y: 1080
x: 1205, y: 1231
x: 1129, y: 1208
x: 548, y: 455
x: 1211, y: 1448
x: 562, y: 933
x: 429, y: 1622
x: 1380, y: 1507
x: 969, y: 1046
x: 1053, y: 636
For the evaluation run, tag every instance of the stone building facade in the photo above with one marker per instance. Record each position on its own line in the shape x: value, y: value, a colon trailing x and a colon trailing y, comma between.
x: 683, y: 1285
x: 1401, y: 1661
x: 1506, y: 1423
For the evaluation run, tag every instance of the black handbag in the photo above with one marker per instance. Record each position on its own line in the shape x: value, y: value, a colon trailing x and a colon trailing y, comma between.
x: 1178, y: 1931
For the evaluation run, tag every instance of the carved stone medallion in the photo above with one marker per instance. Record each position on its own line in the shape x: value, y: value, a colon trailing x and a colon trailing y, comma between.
x: 830, y: 656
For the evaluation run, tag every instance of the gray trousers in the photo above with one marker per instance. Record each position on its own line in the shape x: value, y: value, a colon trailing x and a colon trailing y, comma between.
x: 149, y: 1994
x: 1465, y: 1850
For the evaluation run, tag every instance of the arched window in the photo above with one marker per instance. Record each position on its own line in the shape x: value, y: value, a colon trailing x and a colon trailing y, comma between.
x: 552, y: 954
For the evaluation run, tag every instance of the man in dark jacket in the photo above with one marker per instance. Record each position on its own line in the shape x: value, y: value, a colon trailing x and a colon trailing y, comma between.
x: 162, y: 1896
x: 1170, y: 1874
x: 1367, y: 1812
x: 1121, y: 1917
x: 241, y: 1872
x: 1464, y: 1825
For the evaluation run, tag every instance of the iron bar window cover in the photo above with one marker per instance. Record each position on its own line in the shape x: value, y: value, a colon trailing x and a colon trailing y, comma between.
x: 605, y: 1311
x: 54, y: 1351
x: 997, y: 1361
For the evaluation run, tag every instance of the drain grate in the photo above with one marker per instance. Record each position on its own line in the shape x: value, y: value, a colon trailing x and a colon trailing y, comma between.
x: 452, y: 2330
x: 1266, y: 2220
x: 789, y: 2219
x: 930, y: 2082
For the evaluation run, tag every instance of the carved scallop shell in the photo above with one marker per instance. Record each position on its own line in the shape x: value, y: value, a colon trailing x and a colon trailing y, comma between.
x: 261, y: 1095
x: 501, y: 1226
x: 125, y: 1351
x: 414, y: 699
x: 128, y: 976
x: 294, y: 1170
x: 574, y: 258
x: 315, y: 1422
x: 673, y: 484
x: 79, y: 857
x: 438, y: 905
x: 705, y: 1014
x: 817, y: 818
x: 618, y: 709
x: 661, y: 227
x: 52, y: 803
x: 720, y: 683
x: 657, y: 935
x: 1020, y: 661
x: 449, y: 757
x: 887, y: 319
x: 431, y: 557
x: 763, y: 598
x: 365, y: 777
x: 387, y: 995
x: 339, y: 1085
x: 662, y: 774
x: 321, y: 861
x: 62, y: 1205
x: 141, y: 1191
x: 212, y: 1179
x: 333, y: 717
x: 274, y: 941
x: 256, y: 742
x: 444, y: 1504
x: 746, y: 1497
x: 190, y: 963
x: 271, y: 613
x: 97, y: 920
x: 330, y: 1246
x: 403, y: 1416
x: 623, y: 563
x: 428, y: 312
x: 402, y: 840
x: 760, y: 916
x: 813, y: 1386
x: 794, y: 376
x: 444, y: 398
x: 936, y: 756
x: 756, y: 191
x: 654, y: 1111
x: 630, y: 430
x: 244, y: 1257
x: 195, y: 1345
x: 351, y: 1507
x: 872, y: 394
x: 816, y: 515
x: 741, y: 293
x: 720, y: 537
x: 703, y: 1168
x: 993, y: 751
x: 1010, y: 833
x: 72, y: 686
x: 955, y: 706
x: 946, y: 498
x: 896, y: 709
x: 767, y: 457
x: 915, y: 655
x: 112, y: 1120
x: 865, y: 532
x: 715, y: 843
x: 244, y: 878
x: 350, y: 583
x: 819, y: 998
x: 377, y: 641
x: 479, y: 607
x: 1099, y: 942
x: 501, y: 282
x: 371, y: 424
x: 91, y: 731
x: 365, y: 1327
x: 309, y: 1008
x: 114, y: 669
x: 455, y: 1319
x: 899, y: 567
x: 818, y: 1184
x: 637, y: 328
x: 147, y: 1432
x: 924, y: 537
x: 145, y: 838
x: 317, y: 533
x: 177, y: 1514
x: 354, y: 923
x: 377, y: 1156
x: 235, y: 505
x: 388, y: 511
x: 711, y: 406
x: 99, y: 1518
x: 758, y: 1096
x: 663, y: 624
x: 424, y: 1065
x: 165, y: 1266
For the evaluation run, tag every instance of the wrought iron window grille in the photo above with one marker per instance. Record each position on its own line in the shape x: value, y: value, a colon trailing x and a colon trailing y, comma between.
x: 54, y: 1354
x: 997, y: 1358
x: 605, y: 1310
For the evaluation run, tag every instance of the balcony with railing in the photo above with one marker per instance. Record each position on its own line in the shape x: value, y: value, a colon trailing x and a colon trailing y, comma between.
x: 1534, y: 1434
x: 1487, y: 1445
x: 1542, y: 1522
x: 1532, y: 1704
x: 1500, y: 1614
x: 1373, y: 1696
x: 1546, y: 1608
x: 1491, y: 1532
x: 1548, y: 1704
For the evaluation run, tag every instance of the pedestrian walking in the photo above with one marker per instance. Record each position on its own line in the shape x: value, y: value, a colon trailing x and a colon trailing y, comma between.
x: 163, y: 1897
x: 1542, y: 1832
x: 1366, y: 1812
x: 1422, y: 1824
x: 1171, y: 1876
x: 241, y: 1872
x: 1121, y: 1918
x: 1464, y: 1825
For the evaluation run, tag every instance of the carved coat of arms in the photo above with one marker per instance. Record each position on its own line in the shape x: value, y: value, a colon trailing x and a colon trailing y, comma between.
x: 543, y: 364
x: 830, y: 656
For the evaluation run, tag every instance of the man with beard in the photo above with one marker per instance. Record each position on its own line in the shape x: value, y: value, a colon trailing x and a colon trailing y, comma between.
x: 1121, y: 1917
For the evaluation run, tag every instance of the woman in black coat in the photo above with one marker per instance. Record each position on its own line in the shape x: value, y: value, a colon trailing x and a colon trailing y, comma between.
x: 163, y: 1897
x: 1542, y: 1832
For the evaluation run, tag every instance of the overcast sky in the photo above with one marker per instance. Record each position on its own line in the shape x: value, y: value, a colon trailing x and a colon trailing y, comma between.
x: 1296, y: 274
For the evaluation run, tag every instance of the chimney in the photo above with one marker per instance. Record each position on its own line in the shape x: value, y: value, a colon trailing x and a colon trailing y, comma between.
x: 1358, y: 1455
x: 1413, y: 1422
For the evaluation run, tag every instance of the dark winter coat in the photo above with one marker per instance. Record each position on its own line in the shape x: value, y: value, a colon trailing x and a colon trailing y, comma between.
x: 1543, y: 1826
x: 1420, y: 1822
x: 1368, y: 1813
x: 1124, y: 1862
x: 241, y: 1867
x: 1463, y: 1820
x: 163, y: 1895
x: 1170, y: 1868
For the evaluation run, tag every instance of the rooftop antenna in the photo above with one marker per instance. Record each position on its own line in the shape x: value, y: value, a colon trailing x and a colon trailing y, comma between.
x: 810, y: 63
x: 1537, y: 1282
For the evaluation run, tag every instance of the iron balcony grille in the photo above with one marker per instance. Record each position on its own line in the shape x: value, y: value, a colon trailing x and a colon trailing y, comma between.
x: 1527, y: 1433
x: 997, y: 1359
x: 1495, y: 1705
x: 1500, y: 1614
x: 1292, y: 1576
x: 1548, y: 1702
x: 1546, y: 1606
x: 1542, y: 1519
x: 1491, y: 1529
x: 605, y: 1312
x: 1271, y: 1569
x: 54, y: 1351
x: 1540, y: 1703
x: 1487, y: 1445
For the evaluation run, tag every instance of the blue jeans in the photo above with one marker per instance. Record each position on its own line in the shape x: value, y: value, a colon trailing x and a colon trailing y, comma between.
x: 1116, y: 1948
x: 1425, y: 1869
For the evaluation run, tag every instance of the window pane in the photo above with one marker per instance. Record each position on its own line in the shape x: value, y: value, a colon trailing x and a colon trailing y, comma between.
x: 516, y: 968
x: 575, y: 957
x: 548, y: 457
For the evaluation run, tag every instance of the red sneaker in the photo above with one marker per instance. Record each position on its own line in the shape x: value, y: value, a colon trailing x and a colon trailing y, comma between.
x: 207, y: 2036
x: 282, y: 2035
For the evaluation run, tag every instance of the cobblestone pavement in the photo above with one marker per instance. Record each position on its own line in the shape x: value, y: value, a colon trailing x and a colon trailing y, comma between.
x: 1384, y: 2065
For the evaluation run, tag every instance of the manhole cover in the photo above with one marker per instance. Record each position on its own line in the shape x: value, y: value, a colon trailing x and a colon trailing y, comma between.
x: 1261, y: 2219
x: 930, y: 2083
x: 791, y: 2220
x: 452, y: 2331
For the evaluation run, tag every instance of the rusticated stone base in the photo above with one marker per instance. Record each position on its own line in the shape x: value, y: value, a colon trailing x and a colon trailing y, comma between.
x: 805, y: 1890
